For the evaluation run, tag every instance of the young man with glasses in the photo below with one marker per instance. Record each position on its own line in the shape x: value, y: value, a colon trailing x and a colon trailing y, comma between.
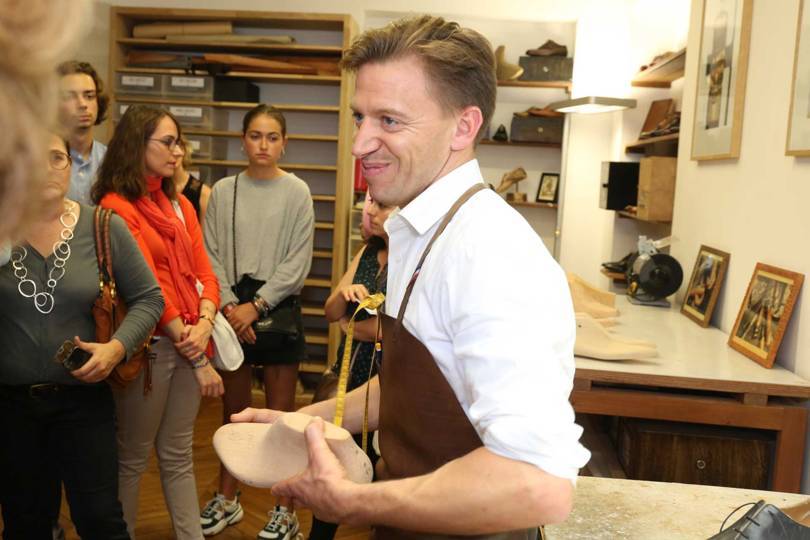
x: 82, y: 106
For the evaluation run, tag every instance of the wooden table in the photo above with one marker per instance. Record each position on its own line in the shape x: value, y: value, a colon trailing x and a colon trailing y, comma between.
x: 609, y: 508
x: 697, y: 378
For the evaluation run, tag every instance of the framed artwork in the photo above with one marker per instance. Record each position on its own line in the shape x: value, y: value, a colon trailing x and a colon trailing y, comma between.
x: 765, y: 312
x: 722, y: 68
x: 547, y: 190
x: 704, y: 285
x: 798, y: 134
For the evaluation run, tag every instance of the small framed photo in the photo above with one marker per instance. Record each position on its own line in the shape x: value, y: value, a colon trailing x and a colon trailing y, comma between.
x: 547, y: 190
x: 725, y: 37
x: 765, y: 313
x: 798, y: 136
x: 704, y: 285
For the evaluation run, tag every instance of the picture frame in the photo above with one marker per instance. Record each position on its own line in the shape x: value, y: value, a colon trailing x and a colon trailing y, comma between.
x: 548, y: 187
x: 765, y: 312
x: 797, y: 142
x: 725, y: 38
x: 704, y: 286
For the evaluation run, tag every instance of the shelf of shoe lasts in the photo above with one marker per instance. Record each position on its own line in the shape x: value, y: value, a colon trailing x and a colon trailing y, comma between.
x: 285, y: 107
x: 291, y: 78
x: 530, y: 204
x: 519, y: 143
x: 213, y: 46
x: 563, y: 85
x: 238, y: 135
x: 641, y: 145
x: 241, y: 163
x: 322, y: 254
x: 318, y: 281
x: 661, y: 75
x: 632, y: 215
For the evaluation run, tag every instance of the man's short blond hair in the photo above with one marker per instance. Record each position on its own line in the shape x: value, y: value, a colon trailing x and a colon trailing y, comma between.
x: 459, y: 62
x: 35, y: 35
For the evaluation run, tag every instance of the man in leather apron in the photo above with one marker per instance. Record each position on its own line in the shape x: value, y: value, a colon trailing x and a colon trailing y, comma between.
x: 476, y: 432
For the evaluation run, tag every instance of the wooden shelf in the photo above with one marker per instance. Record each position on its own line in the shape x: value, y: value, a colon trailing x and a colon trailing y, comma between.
x: 323, y: 198
x: 289, y: 78
x: 286, y: 107
x: 661, y: 75
x: 314, y: 337
x: 321, y: 254
x: 312, y: 367
x: 318, y: 282
x: 530, y: 204
x: 261, y: 19
x: 324, y: 226
x: 288, y: 166
x: 632, y: 215
x: 518, y: 143
x: 314, y: 310
x: 641, y: 145
x: 238, y: 135
x: 563, y: 85
x: 615, y: 276
x: 206, y: 45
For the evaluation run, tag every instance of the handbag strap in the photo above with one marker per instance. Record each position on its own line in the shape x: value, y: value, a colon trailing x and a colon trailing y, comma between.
x: 101, y: 233
x: 233, y: 229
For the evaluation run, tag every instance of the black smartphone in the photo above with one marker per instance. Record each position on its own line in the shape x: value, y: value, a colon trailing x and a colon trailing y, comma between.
x: 72, y: 357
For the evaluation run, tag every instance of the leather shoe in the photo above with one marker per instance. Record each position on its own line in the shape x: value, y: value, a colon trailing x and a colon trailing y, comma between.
x: 767, y: 522
x: 549, y: 48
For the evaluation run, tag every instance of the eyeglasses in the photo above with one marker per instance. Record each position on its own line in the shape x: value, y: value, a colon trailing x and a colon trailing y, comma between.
x: 59, y: 161
x: 170, y: 143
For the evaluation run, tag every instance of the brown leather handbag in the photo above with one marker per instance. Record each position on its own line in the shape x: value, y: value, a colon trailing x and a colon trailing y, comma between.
x: 109, y: 309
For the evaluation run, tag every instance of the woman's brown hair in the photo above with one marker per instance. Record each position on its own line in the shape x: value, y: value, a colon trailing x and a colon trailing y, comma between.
x: 122, y: 170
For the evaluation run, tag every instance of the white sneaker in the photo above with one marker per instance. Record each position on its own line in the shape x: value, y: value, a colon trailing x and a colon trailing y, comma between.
x: 283, y: 525
x: 219, y: 513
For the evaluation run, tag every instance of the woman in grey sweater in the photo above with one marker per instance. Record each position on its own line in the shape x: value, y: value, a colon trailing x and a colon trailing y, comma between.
x: 259, y: 229
x: 60, y: 422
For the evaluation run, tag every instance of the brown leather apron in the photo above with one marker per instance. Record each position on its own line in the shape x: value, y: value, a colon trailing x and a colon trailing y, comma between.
x: 422, y: 425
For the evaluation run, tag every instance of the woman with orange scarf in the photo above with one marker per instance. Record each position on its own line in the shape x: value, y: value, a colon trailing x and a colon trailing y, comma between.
x: 135, y: 180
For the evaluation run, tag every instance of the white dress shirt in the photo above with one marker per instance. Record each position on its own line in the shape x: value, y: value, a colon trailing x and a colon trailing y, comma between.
x: 494, y: 309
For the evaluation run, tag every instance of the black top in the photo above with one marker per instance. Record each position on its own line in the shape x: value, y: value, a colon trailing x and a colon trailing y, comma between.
x: 192, y: 192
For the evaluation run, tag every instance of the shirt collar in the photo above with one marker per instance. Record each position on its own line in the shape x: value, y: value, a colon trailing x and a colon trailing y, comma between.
x: 432, y: 204
x: 96, y: 154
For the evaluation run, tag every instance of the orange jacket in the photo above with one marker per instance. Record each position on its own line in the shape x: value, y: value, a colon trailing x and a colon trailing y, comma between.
x: 154, y: 250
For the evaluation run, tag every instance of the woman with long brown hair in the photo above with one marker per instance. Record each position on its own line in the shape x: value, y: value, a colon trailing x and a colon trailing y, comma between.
x: 135, y: 180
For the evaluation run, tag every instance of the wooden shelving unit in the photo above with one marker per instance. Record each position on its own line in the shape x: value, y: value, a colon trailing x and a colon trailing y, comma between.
x: 642, y: 146
x: 530, y: 204
x: 321, y: 36
x: 490, y: 142
x: 632, y: 215
x: 662, y: 74
x: 565, y: 85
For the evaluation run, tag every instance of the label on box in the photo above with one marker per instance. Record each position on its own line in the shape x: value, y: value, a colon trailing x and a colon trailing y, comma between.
x: 195, y: 145
x: 189, y: 82
x: 188, y: 112
x: 138, y: 80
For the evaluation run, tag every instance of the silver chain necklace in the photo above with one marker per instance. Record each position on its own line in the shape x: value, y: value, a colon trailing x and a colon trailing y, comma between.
x: 43, y: 300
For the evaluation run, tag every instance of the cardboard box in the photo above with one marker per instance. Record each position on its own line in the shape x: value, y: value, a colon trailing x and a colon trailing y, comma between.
x: 656, y: 188
x: 546, y: 68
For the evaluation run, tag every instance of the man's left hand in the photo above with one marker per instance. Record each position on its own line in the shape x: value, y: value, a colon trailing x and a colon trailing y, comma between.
x: 323, y: 486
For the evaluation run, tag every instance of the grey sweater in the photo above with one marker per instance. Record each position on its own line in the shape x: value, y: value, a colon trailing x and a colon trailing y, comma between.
x: 29, y: 340
x: 275, y: 224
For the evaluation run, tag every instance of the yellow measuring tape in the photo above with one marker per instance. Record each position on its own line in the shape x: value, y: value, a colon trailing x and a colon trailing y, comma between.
x: 371, y: 302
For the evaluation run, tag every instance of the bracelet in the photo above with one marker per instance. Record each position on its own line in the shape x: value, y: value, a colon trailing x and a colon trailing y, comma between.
x: 200, y: 362
x: 260, y: 306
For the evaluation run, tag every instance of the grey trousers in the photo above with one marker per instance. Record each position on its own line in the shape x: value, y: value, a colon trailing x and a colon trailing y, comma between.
x: 164, y: 418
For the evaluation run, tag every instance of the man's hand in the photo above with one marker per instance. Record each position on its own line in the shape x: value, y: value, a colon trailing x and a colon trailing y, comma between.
x: 105, y: 356
x: 259, y: 416
x: 323, y: 486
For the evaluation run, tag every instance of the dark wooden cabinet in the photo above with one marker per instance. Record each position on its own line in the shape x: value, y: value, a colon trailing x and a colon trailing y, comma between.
x: 695, y: 454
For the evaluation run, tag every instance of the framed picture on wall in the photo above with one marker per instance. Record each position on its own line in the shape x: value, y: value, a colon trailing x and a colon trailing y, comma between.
x: 765, y: 313
x: 704, y: 285
x: 798, y: 134
x: 725, y: 36
x: 547, y: 190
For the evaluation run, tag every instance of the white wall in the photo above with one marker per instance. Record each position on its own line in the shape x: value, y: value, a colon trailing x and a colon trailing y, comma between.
x: 756, y: 207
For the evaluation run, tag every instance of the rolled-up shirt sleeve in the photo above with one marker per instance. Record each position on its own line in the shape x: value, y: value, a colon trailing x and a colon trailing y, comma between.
x: 137, y: 285
x: 512, y: 327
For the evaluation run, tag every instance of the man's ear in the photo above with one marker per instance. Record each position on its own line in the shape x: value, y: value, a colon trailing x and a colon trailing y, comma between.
x: 468, y: 124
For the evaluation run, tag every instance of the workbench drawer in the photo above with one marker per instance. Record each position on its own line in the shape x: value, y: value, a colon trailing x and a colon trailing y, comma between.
x: 695, y: 454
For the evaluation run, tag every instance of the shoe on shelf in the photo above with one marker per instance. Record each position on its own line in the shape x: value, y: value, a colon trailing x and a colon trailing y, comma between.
x: 511, y: 178
x: 500, y: 134
x: 503, y: 69
x: 283, y: 525
x: 765, y: 521
x: 219, y: 512
x: 549, y: 48
x: 657, y: 60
